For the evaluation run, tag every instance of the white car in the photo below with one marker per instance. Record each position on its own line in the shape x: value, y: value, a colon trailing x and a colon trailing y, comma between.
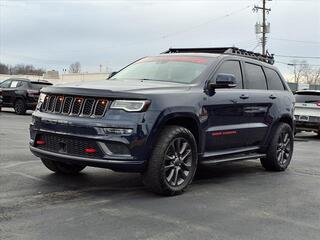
x: 307, y: 111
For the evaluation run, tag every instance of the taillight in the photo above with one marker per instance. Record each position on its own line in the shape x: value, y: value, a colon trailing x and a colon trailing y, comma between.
x: 318, y: 103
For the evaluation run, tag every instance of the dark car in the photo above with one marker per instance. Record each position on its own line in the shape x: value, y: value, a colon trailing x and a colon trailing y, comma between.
x: 164, y: 116
x: 21, y: 94
x: 307, y: 111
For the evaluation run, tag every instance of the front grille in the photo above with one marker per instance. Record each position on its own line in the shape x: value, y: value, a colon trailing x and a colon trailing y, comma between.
x: 51, y: 103
x: 75, y: 106
x: 88, y: 106
x: 69, y: 145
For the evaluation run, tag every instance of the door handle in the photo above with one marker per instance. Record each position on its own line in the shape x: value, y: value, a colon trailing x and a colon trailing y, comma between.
x: 244, y: 96
x: 272, y: 96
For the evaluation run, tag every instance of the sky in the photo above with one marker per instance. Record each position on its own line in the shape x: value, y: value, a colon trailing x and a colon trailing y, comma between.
x: 52, y: 34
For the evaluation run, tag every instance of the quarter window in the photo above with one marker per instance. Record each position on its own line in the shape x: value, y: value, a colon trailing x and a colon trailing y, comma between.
x: 232, y: 67
x: 255, y: 78
x: 274, y: 81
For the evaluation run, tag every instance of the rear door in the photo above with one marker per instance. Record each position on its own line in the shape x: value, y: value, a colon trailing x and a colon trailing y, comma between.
x: 257, y: 104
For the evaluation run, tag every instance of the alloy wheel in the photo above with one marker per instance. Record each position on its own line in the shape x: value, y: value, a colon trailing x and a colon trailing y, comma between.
x: 284, y: 148
x: 178, y: 162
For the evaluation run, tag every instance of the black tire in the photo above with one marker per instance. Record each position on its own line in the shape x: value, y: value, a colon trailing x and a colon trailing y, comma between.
x: 20, y: 107
x: 62, y: 168
x: 173, y: 162
x: 280, y: 149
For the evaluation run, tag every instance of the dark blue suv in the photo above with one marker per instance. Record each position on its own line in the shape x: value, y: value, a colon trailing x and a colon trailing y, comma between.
x: 165, y: 115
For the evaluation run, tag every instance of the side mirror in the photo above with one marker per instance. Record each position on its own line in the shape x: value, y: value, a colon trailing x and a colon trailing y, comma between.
x: 112, y: 74
x: 223, y: 80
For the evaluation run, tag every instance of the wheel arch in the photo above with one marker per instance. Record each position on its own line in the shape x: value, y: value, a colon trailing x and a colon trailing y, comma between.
x: 189, y: 120
x: 286, y: 118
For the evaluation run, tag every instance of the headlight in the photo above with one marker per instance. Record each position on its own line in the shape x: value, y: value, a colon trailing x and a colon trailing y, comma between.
x: 40, y: 100
x: 130, y: 105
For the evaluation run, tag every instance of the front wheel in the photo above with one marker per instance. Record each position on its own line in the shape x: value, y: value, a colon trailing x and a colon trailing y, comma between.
x: 62, y: 168
x: 280, y: 149
x: 173, y: 162
x: 20, y: 107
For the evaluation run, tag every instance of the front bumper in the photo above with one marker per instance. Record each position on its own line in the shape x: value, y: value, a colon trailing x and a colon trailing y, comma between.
x: 122, y: 165
x: 66, y: 138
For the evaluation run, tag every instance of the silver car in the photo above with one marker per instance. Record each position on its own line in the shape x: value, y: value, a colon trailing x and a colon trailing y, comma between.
x: 307, y: 111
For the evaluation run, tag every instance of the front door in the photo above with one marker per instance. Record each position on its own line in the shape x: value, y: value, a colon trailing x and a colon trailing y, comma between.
x: 225, y: 127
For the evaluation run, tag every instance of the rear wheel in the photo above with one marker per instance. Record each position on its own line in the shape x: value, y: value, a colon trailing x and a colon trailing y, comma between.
x: 280, y: 150
x: 20, y: 107
x: 173, y: 162
x: 62, y: 168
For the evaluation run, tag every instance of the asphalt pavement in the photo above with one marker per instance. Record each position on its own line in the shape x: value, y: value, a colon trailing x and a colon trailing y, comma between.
x: 230, y: 201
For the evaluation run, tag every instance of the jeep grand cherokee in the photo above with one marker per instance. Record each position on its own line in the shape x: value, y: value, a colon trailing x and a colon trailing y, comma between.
x: 165, y: 115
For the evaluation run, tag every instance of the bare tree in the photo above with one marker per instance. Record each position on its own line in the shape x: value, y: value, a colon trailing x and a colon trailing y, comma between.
x: 26, y: 70
x: 299, y: 69
x: 314, y: 76
x: 4, y: 69
x: 75, y: 67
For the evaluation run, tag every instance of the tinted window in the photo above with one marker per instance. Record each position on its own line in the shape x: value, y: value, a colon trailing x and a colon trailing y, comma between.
x: 5, y: 84
x: 232, y: 67
x: 255, y: 78
x: 307, y: 97
x: 274, y: 81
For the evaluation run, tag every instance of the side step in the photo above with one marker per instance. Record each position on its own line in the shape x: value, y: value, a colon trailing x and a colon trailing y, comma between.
x: 231, y: 159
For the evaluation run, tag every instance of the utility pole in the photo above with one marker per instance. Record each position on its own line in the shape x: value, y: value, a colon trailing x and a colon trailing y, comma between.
x: 263, y: 28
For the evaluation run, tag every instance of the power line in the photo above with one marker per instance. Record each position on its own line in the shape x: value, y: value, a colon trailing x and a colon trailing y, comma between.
x: 286, y: 56
x: 205, y: 23
x: 288, y: 63
x: 292, y: 40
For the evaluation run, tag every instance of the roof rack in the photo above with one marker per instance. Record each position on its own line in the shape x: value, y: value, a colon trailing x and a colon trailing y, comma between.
x: 268, y: 58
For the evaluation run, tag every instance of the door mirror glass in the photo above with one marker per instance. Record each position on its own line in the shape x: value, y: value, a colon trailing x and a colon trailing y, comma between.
x: 223, y: 80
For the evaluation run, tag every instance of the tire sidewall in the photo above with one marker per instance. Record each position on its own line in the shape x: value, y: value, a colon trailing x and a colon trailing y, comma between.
x: 22, y: 107
x: 190, y: 139
x: 282, y: 127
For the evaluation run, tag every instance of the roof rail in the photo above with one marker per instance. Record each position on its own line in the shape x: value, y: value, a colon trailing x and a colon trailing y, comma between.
x: 268, y: 58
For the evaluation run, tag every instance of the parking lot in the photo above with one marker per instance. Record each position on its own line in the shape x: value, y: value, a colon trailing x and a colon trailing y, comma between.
x: 231, y: 201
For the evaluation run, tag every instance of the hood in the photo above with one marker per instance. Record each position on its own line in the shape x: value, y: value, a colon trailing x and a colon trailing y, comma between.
x: 116, y: 87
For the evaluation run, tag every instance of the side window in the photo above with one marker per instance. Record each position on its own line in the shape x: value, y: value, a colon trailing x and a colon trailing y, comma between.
x: 14, y: 84
x: 255, y: 78
x: 5, y: 84
x: 232, y: 67
x: 274, y: 81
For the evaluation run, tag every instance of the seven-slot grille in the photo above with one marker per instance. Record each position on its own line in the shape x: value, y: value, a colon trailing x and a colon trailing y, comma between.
x: 75, y: 106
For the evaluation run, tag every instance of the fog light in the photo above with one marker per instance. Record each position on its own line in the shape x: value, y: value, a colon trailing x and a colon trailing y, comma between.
x: 118, y: 130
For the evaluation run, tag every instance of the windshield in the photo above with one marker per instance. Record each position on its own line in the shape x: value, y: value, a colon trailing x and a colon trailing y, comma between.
x: 180, y: 69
